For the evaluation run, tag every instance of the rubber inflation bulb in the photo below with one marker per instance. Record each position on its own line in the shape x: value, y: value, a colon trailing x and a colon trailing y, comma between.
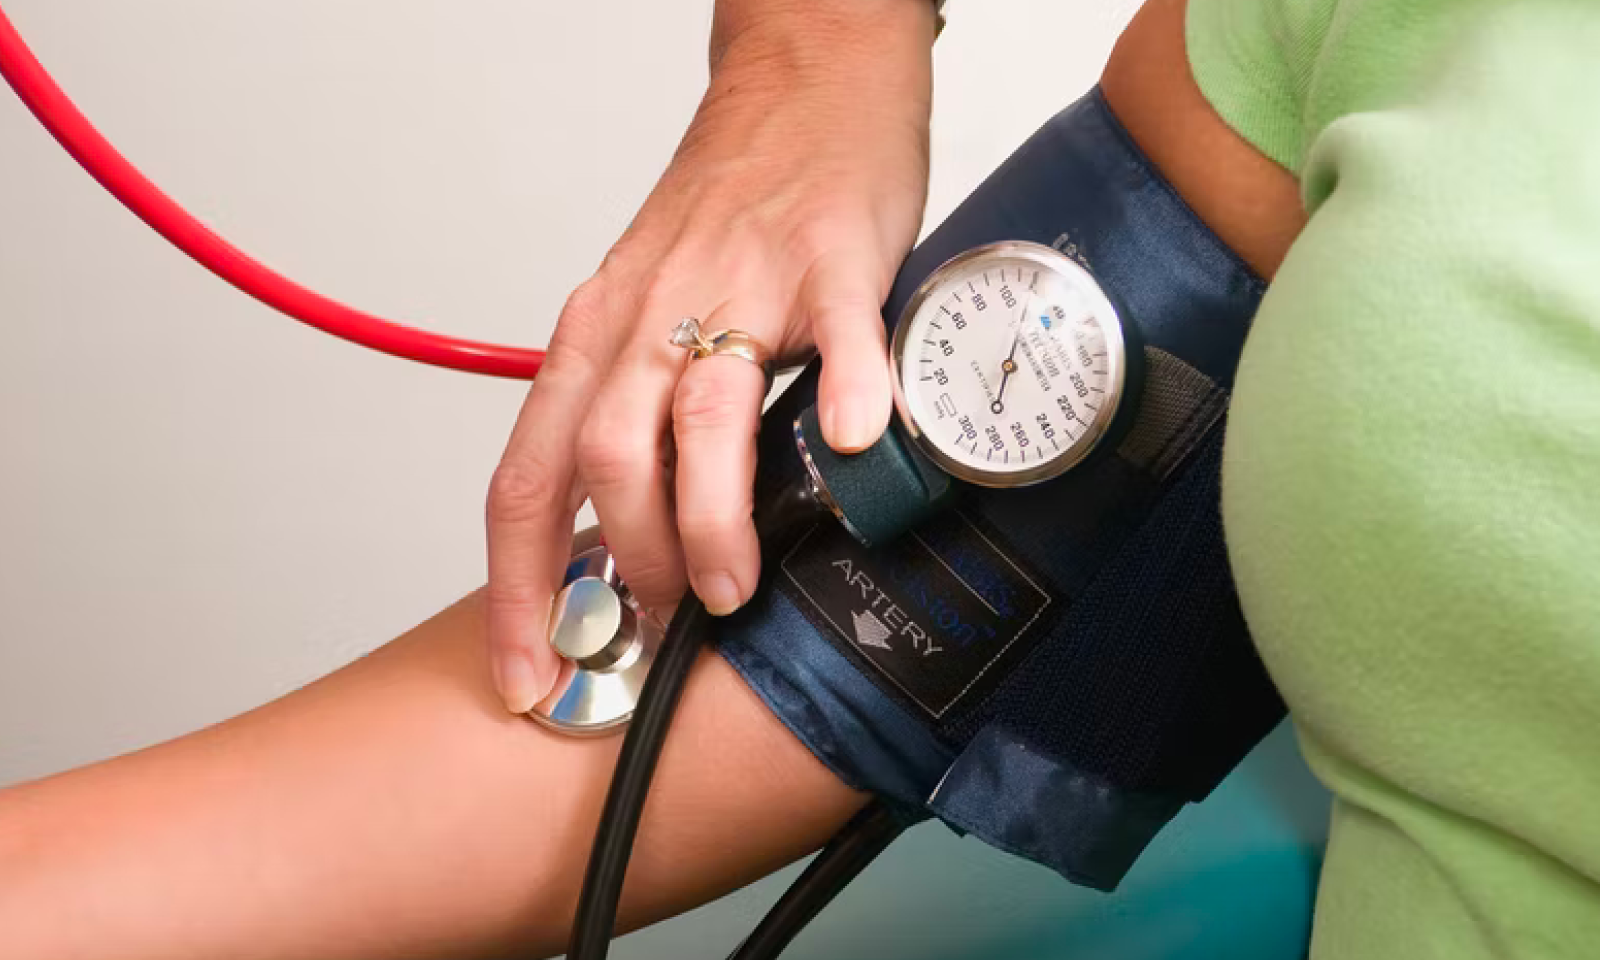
x: 878, y: 493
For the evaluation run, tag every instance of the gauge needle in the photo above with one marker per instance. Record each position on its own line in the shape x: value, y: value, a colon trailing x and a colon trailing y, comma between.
x: 1009, y: 365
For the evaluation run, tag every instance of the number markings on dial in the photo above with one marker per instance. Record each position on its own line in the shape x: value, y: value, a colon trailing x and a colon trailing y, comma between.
x: 1012, y: 365
x: 1044, y: 425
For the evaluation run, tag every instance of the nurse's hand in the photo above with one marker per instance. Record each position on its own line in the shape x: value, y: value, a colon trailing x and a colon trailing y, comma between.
x: 785, y: 213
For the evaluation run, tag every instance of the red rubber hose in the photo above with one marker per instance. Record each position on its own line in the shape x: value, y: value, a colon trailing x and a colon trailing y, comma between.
x: 96, y: 154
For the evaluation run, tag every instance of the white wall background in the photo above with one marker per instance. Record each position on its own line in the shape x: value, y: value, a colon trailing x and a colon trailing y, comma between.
x: 203, y: 505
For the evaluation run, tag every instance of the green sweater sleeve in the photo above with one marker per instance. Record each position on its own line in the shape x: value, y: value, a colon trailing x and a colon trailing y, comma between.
x: 1280, y: 71
x: 1412, y: 499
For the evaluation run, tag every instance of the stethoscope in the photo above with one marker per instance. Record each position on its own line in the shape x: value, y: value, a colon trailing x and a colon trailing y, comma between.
x: 1011, y: 366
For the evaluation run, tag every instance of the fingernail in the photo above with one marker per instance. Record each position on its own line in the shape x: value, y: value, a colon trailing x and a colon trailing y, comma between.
x: 519, y: 683
x: 718, y: 592
x: 849, y: 427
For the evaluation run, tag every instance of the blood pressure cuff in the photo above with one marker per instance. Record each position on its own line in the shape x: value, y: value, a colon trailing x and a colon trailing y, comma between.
x: 1054, y: 669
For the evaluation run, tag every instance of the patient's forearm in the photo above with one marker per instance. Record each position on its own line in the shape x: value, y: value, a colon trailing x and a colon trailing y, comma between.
x: 394, y: 810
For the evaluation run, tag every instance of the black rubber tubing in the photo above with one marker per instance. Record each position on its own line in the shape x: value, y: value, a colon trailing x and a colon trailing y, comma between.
x: 596, y: 918
x: 630, y: 785
x: 850, y: 852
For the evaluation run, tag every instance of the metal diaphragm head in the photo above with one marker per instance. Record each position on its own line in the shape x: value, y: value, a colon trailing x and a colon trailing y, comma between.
x: 606, y: 643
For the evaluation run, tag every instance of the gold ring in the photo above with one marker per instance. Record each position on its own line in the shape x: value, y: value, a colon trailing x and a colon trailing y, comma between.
x: 731, y: 343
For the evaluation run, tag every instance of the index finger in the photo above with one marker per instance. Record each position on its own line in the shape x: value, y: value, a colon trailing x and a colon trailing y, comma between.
x: 532, y: 501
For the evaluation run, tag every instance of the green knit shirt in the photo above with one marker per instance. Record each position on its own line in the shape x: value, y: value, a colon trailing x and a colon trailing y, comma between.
x: 1412, y: 481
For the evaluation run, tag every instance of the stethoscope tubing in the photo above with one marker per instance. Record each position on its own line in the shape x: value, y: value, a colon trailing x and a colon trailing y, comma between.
x: 856, y: 846
x: 51, y: 105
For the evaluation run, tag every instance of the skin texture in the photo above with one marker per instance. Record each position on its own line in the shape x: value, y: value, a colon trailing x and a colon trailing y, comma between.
x: 395, y: 809
x: 791, y: 201
x: 1246, y: 199
x: 795, y: 194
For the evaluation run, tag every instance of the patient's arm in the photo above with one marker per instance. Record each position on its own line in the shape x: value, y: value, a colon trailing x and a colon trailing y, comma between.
x: 394, y: 809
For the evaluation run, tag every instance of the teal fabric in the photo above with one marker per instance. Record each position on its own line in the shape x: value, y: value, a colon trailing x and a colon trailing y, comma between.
x: 1232, y: 877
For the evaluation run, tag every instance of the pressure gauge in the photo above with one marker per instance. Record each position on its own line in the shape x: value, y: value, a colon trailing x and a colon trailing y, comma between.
x: 1010, y: 364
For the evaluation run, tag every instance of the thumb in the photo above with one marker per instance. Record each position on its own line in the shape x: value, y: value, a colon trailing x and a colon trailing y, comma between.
x: 842, y: 297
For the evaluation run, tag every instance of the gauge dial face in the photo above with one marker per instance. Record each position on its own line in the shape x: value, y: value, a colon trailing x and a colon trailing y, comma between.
x: 1009, y: 364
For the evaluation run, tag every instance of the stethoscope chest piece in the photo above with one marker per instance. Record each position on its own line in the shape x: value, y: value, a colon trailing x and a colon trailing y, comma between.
x: 606, y: 643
